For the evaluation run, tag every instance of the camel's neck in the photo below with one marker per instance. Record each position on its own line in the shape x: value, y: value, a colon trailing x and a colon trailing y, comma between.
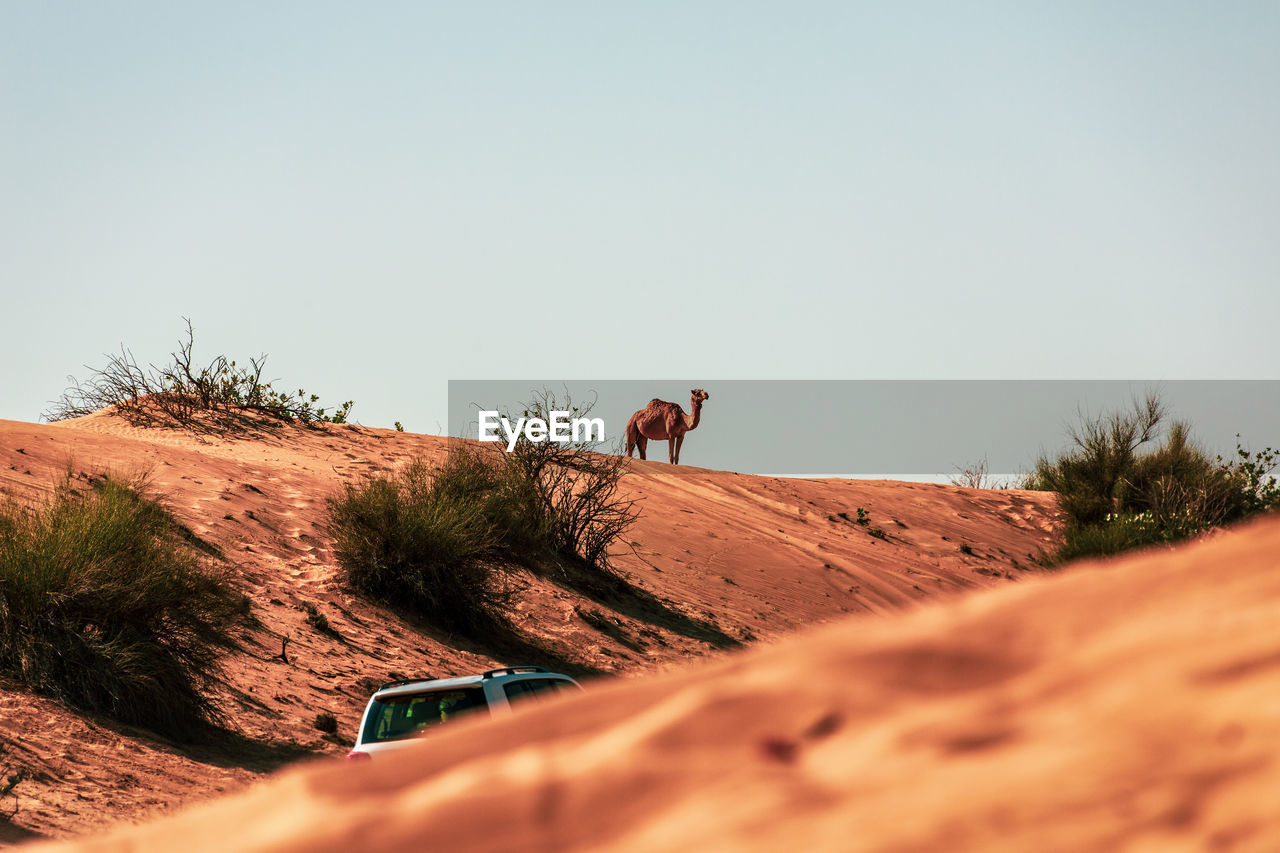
x: 692, y: 420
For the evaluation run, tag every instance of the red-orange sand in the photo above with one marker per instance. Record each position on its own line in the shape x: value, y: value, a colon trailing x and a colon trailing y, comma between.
x: 1125, y: 705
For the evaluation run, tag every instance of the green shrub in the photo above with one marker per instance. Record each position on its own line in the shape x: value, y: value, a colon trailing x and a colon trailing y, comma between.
x: 1116, y: 534
x: 105, y: 606
x: 422, y: 539
x: 1250, y: 474
x: 507, y: 501
x: 435, y: 540
x: 1087, y: 479
x: 1114, y: 496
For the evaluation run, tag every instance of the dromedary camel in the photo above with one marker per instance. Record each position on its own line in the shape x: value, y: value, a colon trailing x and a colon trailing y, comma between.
x: 663, y: 421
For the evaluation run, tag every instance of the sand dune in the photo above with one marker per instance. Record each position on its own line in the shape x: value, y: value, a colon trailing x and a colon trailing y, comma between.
x: 1130, y: 705
x: 717, y: 562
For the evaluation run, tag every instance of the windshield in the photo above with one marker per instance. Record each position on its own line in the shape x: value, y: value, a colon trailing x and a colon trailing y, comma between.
x: 395, y: 717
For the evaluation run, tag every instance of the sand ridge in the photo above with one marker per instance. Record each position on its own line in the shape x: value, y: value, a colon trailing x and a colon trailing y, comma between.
x: 717, y: 561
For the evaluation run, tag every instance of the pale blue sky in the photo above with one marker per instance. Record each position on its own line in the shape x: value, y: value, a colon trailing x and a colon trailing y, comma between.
x: 387, y: 196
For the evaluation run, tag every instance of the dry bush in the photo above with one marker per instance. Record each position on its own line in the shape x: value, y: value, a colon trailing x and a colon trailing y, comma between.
x: 575, y: 487
x: 221, y: 396
x: 972, y: 476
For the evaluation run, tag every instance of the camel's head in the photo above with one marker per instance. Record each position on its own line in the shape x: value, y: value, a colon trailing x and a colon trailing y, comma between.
x: 700, y: 395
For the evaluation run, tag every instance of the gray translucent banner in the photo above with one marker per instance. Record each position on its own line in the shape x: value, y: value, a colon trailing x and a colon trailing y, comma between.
x: 870, y: 427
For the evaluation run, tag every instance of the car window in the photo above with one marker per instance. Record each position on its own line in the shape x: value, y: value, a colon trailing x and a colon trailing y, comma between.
x: 517, y: 690
x: 557, y: 685
x: 395, y: 717
x: 543, y: 685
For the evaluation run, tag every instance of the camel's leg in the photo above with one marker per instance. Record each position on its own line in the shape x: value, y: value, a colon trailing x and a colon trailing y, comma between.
x: 673, y: 450
x: 675, y: 444
x: 633, y: 435
x: 641, y: 444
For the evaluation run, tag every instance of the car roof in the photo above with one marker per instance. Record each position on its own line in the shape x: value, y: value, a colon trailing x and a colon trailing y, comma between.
x: 396, y: 689
x: 409, y: 686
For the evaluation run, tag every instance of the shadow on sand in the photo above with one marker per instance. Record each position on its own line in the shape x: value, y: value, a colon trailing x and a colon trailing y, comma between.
x: 226, y: 748
x: 611, y: 590
x: 12, y: 833
x: 217, y: 746
x: 499, y: 639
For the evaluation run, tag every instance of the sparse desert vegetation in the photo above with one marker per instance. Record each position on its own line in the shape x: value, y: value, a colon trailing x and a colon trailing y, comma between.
x: 108, y: 607
x: 421, y: 538
x: 1119, y: 489
x: 574, y: 490
x: 221, y: 396
x: 326, y: 723
x: 435, y: 539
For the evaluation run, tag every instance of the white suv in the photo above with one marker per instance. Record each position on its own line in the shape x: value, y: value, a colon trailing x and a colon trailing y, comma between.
x: 401, y: 709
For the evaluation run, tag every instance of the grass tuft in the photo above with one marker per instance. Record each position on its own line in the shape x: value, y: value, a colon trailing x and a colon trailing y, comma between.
x: 422, y: 539
x: 326, y: 723
x: 105, y: 606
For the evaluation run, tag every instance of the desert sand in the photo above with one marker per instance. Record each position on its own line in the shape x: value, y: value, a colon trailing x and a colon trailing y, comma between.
x: 951, y: 700
x: 1132, y: 705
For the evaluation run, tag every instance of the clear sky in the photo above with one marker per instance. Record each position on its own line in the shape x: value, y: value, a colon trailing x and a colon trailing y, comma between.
x: 385, y: 196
